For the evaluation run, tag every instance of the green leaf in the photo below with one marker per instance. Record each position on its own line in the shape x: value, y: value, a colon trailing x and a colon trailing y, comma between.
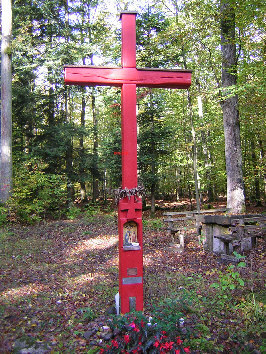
x: 235, y: 275
x: 215, y: 285
x: 241, y: 281
x: 93, y: 350
x: 237, y: 255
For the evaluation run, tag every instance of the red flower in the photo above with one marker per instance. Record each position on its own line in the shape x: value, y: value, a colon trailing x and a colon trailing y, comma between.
x: 142, y: 323
x: 126, y: 338
x: 177, y: 351
x: 167, y: 346
x: 187, y: 350
x: 135, y: 328
x: 178, y: 341
x: 115, y: 343
x: 132, y: 325
x: 156, y: 344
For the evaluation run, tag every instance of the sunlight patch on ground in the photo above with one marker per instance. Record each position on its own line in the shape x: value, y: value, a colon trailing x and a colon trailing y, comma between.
x: 86, y: 246
x: 82, y: 279
x: 26, y: 290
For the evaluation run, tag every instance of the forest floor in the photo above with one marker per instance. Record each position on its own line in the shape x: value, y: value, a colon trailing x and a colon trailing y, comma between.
x: 59, y: 278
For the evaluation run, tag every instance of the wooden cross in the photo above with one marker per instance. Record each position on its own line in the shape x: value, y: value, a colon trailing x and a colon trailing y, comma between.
x: 131, y: 207
x: 128, y: 77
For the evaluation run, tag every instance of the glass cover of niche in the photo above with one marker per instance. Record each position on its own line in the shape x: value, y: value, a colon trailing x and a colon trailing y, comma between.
x: 130, y: 235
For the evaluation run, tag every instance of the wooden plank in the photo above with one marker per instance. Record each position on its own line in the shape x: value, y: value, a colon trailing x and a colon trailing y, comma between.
x: 210, y: 211
x: 177, y: 213
x: 179, y: 219
x: 183, y: 228
x: 100, y: 76
x: 195, y: 212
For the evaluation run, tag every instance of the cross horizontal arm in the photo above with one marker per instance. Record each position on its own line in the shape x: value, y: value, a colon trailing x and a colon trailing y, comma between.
x: 100, y: 76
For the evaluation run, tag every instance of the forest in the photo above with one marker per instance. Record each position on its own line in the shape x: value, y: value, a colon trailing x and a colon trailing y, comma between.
x: 199, y: 149
x: 66, y: 140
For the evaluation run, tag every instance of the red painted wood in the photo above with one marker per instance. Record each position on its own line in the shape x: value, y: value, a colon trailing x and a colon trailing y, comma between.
x: 118, y: 76
x: 128, y: 58
x: 129, y: 136
x: 128, y: 77
x: 130, y: 210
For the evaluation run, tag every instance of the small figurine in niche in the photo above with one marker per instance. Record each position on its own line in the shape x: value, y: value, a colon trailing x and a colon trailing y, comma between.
x: 127, y: 238
x: 130, y: 234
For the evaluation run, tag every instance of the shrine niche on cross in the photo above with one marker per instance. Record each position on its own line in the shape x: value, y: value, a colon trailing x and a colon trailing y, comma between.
x: 128, y: 77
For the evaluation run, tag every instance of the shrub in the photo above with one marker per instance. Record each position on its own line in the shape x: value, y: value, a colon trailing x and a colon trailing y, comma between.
x: 138, y: 334
x: 73, y: 212
x: 37, y: 194
x: 3, y: 215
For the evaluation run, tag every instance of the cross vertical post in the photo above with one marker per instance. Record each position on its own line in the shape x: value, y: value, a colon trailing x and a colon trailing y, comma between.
x: 131, y: 258
x: 129, y: 77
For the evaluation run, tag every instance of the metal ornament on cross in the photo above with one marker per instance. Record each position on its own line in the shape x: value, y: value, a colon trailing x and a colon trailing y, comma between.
x: 128, y: 77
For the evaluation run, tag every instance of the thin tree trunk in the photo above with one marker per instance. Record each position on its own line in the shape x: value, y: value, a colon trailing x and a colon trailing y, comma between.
x: 233, y: 153
x: 194, y: 149
x: 256, y: 194
x: 153, y: 168
x: 95, y: 172
x: 153, y: 190
x: 69, y: 172
x: 261, y: 161
x: 83, y: 193
x: 194, y: 153
x: 6, y: 104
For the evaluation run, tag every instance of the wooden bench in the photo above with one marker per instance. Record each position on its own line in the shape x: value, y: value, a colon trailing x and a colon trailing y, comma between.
x: 177, y: 223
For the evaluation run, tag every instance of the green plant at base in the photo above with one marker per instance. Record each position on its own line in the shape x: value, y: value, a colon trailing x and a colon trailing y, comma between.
x: 168, y: 314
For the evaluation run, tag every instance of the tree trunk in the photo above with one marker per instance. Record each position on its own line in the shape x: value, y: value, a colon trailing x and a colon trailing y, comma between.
x: 82, y: 172
x: 6, y: 104
x: 69, y: 173
x: 194, y: 153
x: 95, y: 172
x: 153, y: 167
x: 194, y: 141
x: 233, y: 153
x: 69, y: 157
x: 261, y: 161
x: 256, y: 193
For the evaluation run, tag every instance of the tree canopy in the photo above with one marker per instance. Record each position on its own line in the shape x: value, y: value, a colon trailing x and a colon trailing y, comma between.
x: 66, y: 140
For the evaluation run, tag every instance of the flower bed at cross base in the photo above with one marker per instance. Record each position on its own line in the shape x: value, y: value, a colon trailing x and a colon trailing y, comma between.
x: 134, y: 333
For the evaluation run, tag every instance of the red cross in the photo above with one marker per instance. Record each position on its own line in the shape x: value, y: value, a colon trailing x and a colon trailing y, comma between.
x: 128, y: 77
x: 131, y: 208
